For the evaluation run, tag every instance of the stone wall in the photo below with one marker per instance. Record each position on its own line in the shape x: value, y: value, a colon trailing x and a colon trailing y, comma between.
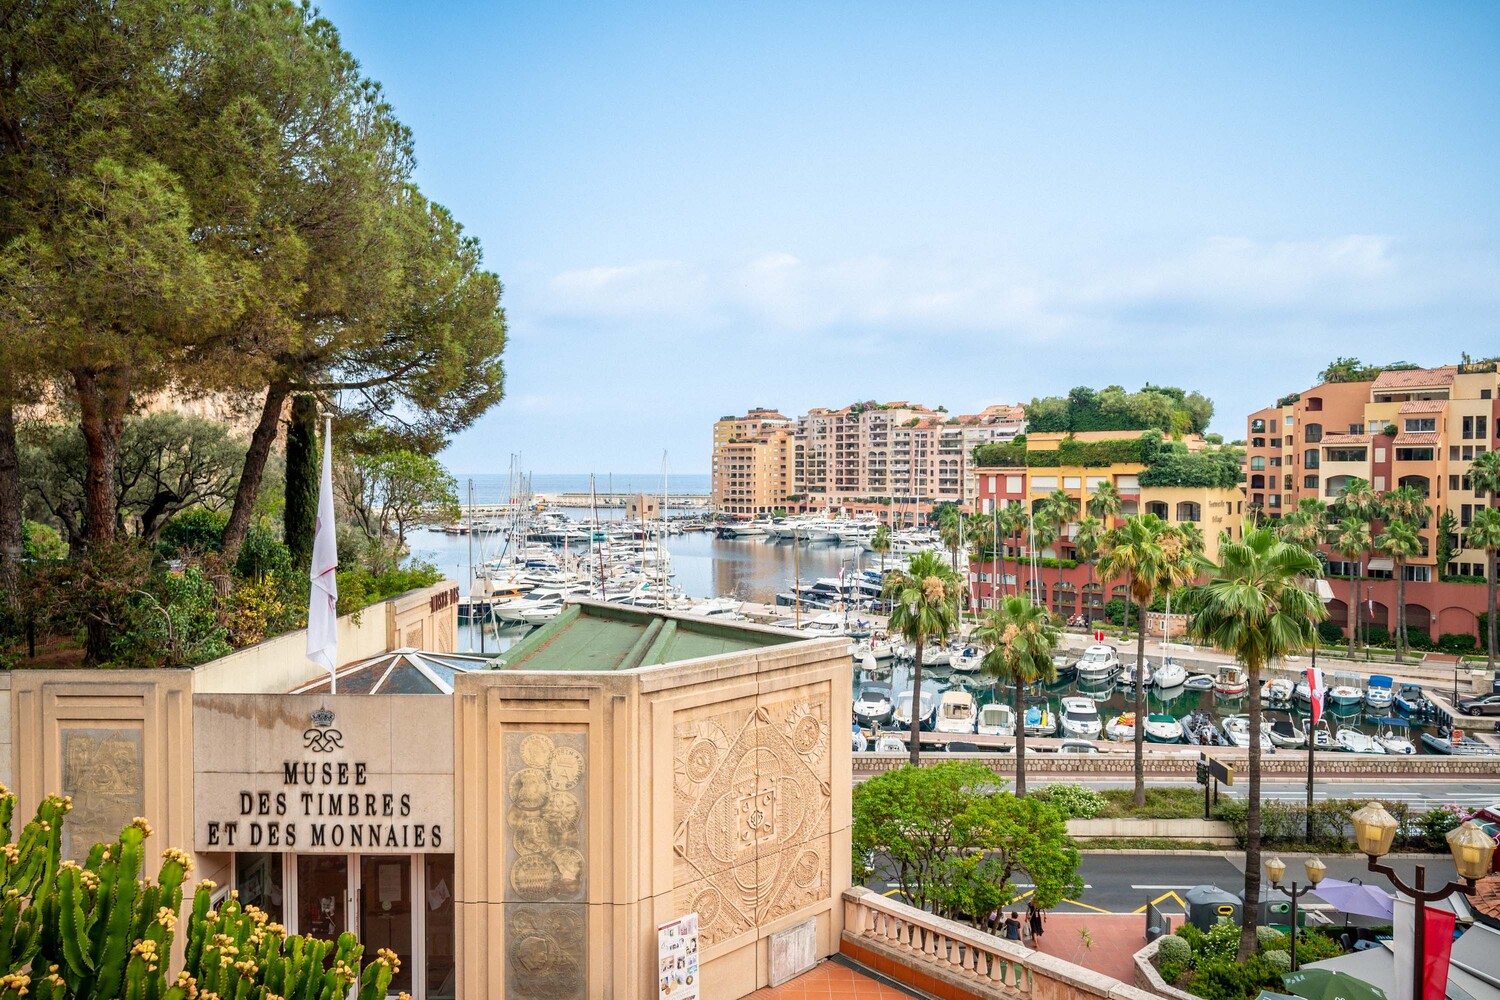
x: 1181, y: 764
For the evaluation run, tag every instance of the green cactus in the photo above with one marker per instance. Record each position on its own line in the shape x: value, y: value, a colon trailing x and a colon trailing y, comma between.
x: 99, y: 931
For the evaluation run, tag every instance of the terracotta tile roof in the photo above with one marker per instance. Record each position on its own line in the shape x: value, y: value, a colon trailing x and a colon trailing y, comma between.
x: 1424, y: 406
x: 1412, y: 378
x: 1430, y: 437
x: 1345, y: 439
x: 1486, y: 899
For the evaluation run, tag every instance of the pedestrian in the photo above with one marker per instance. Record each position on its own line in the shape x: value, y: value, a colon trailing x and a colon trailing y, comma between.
x: 1034, y: 918
x: 1013, y: 926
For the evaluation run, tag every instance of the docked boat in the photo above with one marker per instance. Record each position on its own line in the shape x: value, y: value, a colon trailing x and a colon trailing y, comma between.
x: 890, y: 744
x: 966, y: 660
x: 1064, y: 667
x: 1199, y: 729
x: 1285, y: 733
x: 860, y: 742
x: 1455, y: 742
x: 1277, y: 690
x: 1170, y: 674
x: 873, y: 704
x: 1098, y: 662
x: 1394, y: 742
x: 1077, y: 746
x: 996, y: 719
x: 1121, y: 728
x: 1129, y: 675
x: 1039, y: 720
x: 1080, y: 718
x: 1163, y: 728
x: 1323, y: 738
x: 1199, y: 682
x: 1354, y: 741
x: 956, y: 712
x: 1381, y: 692
x: 1237, y: 731
x: 1410, y: 700
x: 1301, y: 692
x: 1231, y: 680
x: 1345, y: 694
x: 925, y: 709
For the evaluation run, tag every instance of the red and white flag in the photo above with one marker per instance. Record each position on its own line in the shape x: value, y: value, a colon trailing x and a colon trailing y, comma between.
x: 1315, y: 693
x: 1437, y: 949
x: 322, y: 603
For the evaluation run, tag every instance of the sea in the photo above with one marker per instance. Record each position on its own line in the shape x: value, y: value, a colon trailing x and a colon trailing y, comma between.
x: 491, y: 487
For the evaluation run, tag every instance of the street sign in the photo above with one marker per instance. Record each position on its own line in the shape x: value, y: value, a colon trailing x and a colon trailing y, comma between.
x: 1218, y: 769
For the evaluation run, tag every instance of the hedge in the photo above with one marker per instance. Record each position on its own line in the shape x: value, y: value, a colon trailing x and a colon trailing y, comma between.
x: 1284, y: 822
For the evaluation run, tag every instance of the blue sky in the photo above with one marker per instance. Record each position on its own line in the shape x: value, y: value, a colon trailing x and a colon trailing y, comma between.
x: 697, y: 208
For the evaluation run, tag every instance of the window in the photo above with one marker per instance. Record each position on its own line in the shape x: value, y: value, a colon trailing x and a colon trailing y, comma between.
x: 1289, y: 420
x: 1043, y: 484
x: 1310, y: 458
x: 1346, y: 455
x: 1421, y: 425
x: 1257, y: 426
x: 1376, y: 426
x: 1257, y: 482
x: 1257, y: 442
x: 1452, y: 484
x: 1158, y: 508
x: 1465, y: 515
x: 1356, y: 428
x: 1275, y: 461
x: 1072, y: 483
x: 1417, y: 574
x: 1257, y: 462
x: 1484, y: 394
x: 1313, y: 433
x: 1094, y: 482
x: 1310, y: 482
x: 1413, y: 454
x: 1187, y: 510
x: 1012, y: 484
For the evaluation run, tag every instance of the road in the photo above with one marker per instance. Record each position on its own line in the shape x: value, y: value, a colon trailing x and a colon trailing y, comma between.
x: 1421, y: 793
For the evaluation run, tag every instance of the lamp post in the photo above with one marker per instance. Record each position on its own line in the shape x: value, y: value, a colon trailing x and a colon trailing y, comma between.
x: 1472, y: 850
x: 1276, y: 870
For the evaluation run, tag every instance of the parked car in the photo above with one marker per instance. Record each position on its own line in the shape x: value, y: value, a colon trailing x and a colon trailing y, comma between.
x: 1486, y: 705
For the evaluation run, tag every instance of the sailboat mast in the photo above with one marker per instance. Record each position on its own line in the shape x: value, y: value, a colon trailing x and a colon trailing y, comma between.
x: 473, y: 595
x: 796, y: 575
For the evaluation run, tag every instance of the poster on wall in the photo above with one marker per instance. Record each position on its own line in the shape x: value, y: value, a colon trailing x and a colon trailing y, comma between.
x: 677, y: 958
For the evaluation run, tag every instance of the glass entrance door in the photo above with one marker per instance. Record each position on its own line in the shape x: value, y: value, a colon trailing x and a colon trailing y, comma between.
x: 385, y: 911
x: 322, y: 895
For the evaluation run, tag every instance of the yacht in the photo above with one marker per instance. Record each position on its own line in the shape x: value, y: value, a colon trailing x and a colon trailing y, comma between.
x: 1163, y: 728
x: 966, y: 660
x: 873, y: 704
x: 997, y: 719
x: 1080, y: 717
x: 1236, y: 729
x: 1170, y: 674
x: 1098, y: 662
x: 956, y: 712
x: 1381, y: 692
x: 1231, y: 680
x: 902, y: 717
x: 1355, y: 741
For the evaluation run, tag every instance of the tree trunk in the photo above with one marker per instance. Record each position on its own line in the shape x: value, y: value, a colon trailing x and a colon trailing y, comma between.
x: 1252, y: 826
x: 1491, y: 586
x: 102, y: 401
x: 1400, y: 608
x: 1088, y: 597
x: 1020, y: 710
x: 1140, y: 703
x: 299, y: 518
x: 916, y: 704
x: 11, y: 496
x: 254, y: 470
x: 1359, y: 572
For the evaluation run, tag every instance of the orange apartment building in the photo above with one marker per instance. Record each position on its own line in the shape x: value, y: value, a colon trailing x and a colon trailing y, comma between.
x: 1406, y: 427
x: 894, y: 460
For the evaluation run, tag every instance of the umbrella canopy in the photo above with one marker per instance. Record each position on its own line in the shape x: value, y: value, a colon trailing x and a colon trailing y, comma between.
x: 1325, y: 984
x: 1270, y: 995
x: 1353, y: 897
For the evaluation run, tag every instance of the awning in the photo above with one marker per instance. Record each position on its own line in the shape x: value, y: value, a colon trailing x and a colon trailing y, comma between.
x: 1323, y: 590
x: 1384, y: 564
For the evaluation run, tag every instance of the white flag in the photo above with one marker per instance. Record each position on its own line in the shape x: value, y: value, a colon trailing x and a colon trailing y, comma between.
x: 322, y: 603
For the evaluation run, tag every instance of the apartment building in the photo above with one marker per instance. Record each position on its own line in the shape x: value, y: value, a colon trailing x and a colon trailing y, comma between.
x: 1418, y: 427
x: 752, y: 462
x: 1071, y: 589
x: 895, y: 460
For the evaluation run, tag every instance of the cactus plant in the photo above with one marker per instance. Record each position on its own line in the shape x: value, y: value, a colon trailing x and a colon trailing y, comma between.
x: 98, y: 931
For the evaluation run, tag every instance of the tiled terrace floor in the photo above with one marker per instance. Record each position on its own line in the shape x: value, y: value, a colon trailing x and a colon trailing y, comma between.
x: 833, y: 980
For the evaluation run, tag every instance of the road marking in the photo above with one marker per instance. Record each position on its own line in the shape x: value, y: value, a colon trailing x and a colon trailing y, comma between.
x: 1086, y: 906
x: 1158, y: 899
x: 1134, y: 886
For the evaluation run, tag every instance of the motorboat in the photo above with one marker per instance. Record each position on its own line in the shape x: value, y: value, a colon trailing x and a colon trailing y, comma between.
x: 1080, y: 717
x: 1381, y: 693
x: 1410, y: 700
x: 860, y: 742
x: 1077, y: 746
x: 541, y: 615
x: 996, y: 719
x: 873, y: 704
x: 890, y: 744
x: 1395, y: 743
x: 1456, y: 743
x: 1199, y: 682
x: 1039, y: 720
x: 1345, y: 694
x: 956, y: 712
x: 1163, y: 728
x: 1128, y: 675
x: 1231, y: 680
x: 1354, y: 741
x: 936, y: 656
x: 1237, y: 731
x: 966, y: 660
x: 875, y: 647
x: 1098, y: 662
x: 1170, y: 674
x: 1064, y: 668
x: 1285, y: 733
x: 1323, y: 738
x: 1121, y: 728
x: 1199, y: 729
x: 1277, y: 690
x: 1301, y: 692
x: 925, y: 709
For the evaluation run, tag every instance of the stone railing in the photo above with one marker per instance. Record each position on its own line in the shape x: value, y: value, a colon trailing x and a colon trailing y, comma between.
x: 947, y: 958
x: 1182, y: 762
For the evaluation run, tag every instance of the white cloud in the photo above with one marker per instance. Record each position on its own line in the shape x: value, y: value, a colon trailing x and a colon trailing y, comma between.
x: 653, y: 289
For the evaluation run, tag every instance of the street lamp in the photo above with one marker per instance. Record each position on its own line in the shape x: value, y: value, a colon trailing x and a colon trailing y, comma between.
x: 1473, y: 851
x: 1276, y: 870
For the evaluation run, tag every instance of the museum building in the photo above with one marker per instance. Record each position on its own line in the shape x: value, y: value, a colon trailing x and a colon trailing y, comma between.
x: 512, y: 827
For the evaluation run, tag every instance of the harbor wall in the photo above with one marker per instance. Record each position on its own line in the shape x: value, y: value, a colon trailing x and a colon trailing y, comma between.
x: 1179, y: 764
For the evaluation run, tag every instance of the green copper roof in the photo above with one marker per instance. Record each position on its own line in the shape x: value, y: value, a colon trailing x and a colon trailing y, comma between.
x: 610, y: 637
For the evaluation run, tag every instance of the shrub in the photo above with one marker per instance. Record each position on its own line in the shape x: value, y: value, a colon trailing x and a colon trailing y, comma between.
x: 1269, y: 939
x: 1221, y: 941
x: 1378, y: 635
x: 1226, y: 979
x: 1192, y: 935
x: 196, y: 530
x: 1457, y: 642
x: 1171, y: 971
x: 1313, y: 946
x: 1075, y: 801
x: 1280, y: 959
x: 41, y: 541
x: 1173, y: 949
x: 1436, y: 824
x: 1284, y: 823
x: 1418, y: 638
x: 1330, y: 634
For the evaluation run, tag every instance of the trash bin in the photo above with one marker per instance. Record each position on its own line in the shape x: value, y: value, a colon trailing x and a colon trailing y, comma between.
x: 1275, y: 910
x: 1207, y: 903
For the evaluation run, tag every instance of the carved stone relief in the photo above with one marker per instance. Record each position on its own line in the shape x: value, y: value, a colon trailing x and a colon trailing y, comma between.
x: 545, y: 951
x: 101, y: 770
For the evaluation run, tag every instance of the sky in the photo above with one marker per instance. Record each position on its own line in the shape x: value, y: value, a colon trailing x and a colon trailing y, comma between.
x: 698, y: 208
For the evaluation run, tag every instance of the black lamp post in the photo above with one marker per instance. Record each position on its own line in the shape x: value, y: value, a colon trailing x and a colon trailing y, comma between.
x: 1473, y: 851
x: 1276, y: 870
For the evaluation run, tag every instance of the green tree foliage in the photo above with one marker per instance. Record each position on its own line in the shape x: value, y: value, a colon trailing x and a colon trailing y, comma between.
x: 1166, y: 408
x: 1019, y: 639
x: 1175, y: 466
x: 956, y: 842
x: 385, y: 492
x: 98, y: 931
x: 41, y: 541
x: 1484, y: 474
x: 924, y: 606
x: 300, y: 512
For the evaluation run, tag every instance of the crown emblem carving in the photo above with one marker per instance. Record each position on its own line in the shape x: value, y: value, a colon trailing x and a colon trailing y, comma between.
x: 322, y: 718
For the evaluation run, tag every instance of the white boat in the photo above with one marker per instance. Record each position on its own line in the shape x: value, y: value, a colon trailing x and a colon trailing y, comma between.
x: 542, y: 615
x: 997, y: 719
x: 1231, y: 680
x: 1080, y: 717
x: 1077, y: 746
x: 1098, y: 662
x: 1381, y: 692
x: 1277, y: 689
x: 1355, y: 741
x: 1394, y: 743
x: 902, y: 716
x: 956, y: 712
x: 1345, y: 694
x: 1286, y: 733
x: 966, y: 660
x: 873, y: 705
x: 1121, y: 728
x: 1128, y: 675
x: 1163, y: 728
x: 860, y: 744
x: 1039, y: 721
x: 1170, y: 674
x: 1236, y: 729
x: 936, y: 656
x: 890, y: 744
x: 1199, y: 682
x: 874, y: 648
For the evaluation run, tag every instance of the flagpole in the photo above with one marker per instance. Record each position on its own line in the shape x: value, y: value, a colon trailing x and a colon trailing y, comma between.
x: 323, y: 590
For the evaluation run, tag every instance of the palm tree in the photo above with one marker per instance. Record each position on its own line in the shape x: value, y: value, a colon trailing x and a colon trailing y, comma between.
x: 924, y: 601
x: 1089, y: 537
x: 1401, y: 542
x: 1258, y: 605
x: 1106, y: 502
x: 1484, y: 534
x: 1134, y: 550
x: 1359, y: 501
x: 1008, y: 523
x: 1354, y: 540
x: 1020, y: 639
x: 1041, y: 534
x: 1484, y: 476
x: 1059, y: 509
x: 880, y: 542
x: 951, y: 531
x: 981, y: 533
x: 1406, y: 504
x: 1306, y: 525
